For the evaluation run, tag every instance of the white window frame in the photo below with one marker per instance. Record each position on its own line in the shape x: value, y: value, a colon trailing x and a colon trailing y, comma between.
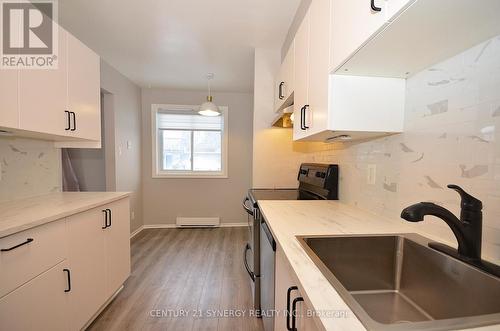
x: 158, y: 172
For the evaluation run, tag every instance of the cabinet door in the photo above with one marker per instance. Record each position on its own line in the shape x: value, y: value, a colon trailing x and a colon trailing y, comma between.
x: 301, y: 80
x: 353, y: 24
x: 319, y: 47
x: 43, y: 98
x: 288, y: 70
x: 40, y: 304
x: 87, y: 258
x: 84, y: 89
x: 117, y: 246
x: 9, y: 106
x: 283, y: 281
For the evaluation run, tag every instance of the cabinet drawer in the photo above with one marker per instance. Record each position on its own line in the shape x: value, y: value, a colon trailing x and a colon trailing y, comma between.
x: 42, y: 248
x: 40, y: 304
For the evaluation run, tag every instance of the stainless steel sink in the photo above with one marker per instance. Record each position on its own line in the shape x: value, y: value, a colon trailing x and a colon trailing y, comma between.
x: 396, y: 282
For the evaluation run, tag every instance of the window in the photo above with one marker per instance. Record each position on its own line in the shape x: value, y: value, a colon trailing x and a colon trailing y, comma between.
x: 186, y: 144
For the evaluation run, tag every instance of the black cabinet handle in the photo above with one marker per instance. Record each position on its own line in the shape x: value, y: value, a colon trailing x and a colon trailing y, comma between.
x: 16, y: 246
x: 375, y: 8
x: 288, y: 312
x: 68, y: 274
x: 294, y: 312
x: 105, y: 211
x: 304, y: 116
x: 68, y: 116
x: 280, y: 91
x: 73, y: 115
x: 110, y: 215
x: 250, y: 272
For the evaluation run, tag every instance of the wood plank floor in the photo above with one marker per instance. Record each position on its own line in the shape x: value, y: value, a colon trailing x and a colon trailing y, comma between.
x: 178, y: 274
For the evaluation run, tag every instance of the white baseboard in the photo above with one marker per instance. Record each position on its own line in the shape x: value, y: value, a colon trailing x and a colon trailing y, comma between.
x: 174, y: 226
x: 136, y: 232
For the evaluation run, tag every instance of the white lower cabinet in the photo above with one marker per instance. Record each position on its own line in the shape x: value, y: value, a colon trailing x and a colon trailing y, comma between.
x: 88, y: 265
x: 99, y: 258
x: 286, y: 293
x: 59, y: 275
x: 40, y: 304
x: 117, y: 242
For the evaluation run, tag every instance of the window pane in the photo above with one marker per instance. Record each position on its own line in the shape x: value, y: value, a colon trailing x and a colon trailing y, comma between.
x: 176, y: 150
x: 207, y: 150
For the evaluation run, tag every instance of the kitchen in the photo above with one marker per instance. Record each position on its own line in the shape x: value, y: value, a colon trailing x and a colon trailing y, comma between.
x: 124, y: 165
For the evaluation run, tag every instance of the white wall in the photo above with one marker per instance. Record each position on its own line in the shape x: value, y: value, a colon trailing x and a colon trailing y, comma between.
x: 452, y: 135
x: 276, y: 158
x: 28, y: 168
x: 166, y: 198
x: 123, y: 99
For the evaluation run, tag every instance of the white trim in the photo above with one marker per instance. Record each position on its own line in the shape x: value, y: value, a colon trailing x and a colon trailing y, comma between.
x: 174, y: 226
x: 157, y: 173
x: 233, y: 224
x: 101, y: 309
x: 136, y: 232
x: 160, y: 226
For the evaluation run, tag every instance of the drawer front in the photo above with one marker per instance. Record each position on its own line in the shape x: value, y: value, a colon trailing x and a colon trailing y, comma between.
x: 37, y: 250
x: 40, y: 304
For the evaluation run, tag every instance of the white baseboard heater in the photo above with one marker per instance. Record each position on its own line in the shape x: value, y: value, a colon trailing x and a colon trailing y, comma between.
x: 197, y: 222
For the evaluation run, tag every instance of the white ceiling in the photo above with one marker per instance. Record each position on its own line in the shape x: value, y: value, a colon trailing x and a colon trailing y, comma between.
x: 175, y: 43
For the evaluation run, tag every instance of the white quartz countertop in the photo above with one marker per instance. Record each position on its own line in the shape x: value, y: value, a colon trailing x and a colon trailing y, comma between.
x: 288, y: 219
x: 23, y: 214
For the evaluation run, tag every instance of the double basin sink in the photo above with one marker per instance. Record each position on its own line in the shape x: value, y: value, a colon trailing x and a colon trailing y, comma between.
x: 396, y: 282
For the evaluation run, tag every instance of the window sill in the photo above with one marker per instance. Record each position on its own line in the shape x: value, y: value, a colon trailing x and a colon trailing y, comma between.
x: 191, y: 176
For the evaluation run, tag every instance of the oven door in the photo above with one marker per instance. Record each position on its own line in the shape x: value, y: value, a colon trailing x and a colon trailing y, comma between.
x: 251, y: 251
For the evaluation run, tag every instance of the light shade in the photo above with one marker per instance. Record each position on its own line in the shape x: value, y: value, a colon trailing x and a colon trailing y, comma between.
x: 209, y: 108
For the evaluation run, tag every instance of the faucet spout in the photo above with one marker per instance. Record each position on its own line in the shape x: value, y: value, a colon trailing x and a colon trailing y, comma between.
x: 416, y: 213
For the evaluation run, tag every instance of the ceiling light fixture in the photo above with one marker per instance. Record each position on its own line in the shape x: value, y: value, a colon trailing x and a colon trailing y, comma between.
x: 209, y: 108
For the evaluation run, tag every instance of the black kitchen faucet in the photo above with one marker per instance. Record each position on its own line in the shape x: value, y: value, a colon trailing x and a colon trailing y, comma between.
x: 467, y: 229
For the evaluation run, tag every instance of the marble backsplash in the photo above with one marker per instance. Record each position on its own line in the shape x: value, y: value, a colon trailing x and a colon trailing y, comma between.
x: 452, y: 135
x: 28, y: 168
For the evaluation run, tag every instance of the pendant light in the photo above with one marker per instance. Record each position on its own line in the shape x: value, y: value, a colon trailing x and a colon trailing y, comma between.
x: 209, y: 108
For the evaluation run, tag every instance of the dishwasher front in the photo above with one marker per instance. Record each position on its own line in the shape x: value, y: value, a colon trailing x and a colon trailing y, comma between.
x: 267, y: 263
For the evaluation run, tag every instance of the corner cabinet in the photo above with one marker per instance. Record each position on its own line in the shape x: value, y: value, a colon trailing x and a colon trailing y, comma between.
x: 62, y: 105
x: 290, y: 305
x: 388, y: 38
x: 64, y: 272
x: 328, y: 107
x: 354, y: 22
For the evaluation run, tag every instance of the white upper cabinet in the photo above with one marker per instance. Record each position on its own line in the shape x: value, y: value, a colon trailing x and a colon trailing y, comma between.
x: 84, y: 89
x: 301, y: 77
x: 317, y: 92
x: 328, y: 107
x: 9, y: 98
x: 353, y: 24
x: 43, y: 102
x: 284, y: 85
x: 408, y: 35
x: 61, y: 104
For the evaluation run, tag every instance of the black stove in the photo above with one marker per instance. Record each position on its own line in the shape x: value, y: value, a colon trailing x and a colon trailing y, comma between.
x: 316, y: 182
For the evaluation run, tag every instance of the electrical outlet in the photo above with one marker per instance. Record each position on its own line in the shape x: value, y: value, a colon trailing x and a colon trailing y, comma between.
x: 371, y: 174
